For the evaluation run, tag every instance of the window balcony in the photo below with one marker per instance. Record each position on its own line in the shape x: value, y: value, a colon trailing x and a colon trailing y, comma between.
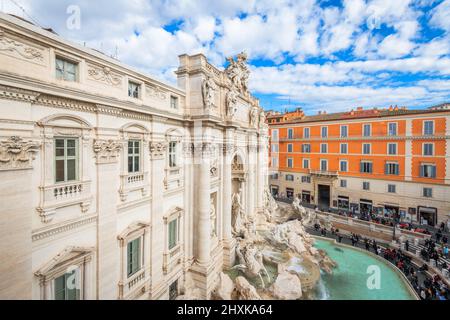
x: 172, y: 258
x: 61, y: 195
x: 133, y: 182
x: 173, y: 178
x: 133, y: 282
x: 323, y: 173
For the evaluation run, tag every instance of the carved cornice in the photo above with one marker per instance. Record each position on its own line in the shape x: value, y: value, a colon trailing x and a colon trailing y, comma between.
x: 157, y: 149
x: 48, y: 232
x: 56, y: 102
x: 16, y: 94
x: 16, y: 153
x: 107, y: 151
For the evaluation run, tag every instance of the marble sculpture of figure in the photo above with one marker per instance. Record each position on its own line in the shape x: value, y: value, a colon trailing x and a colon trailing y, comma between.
x: 208, y: 91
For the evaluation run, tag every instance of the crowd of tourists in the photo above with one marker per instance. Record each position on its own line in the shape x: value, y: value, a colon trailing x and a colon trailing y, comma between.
x: 431, y: 288
x: 431, y: 250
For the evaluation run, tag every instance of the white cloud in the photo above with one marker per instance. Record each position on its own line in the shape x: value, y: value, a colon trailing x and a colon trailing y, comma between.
x: 205, y: 28
x: 441, y: 16
x: 273, y: 30
x: 435, y: 48
x: 399, y: 44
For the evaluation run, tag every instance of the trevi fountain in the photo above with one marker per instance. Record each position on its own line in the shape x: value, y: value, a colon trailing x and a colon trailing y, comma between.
x: 275, y: 256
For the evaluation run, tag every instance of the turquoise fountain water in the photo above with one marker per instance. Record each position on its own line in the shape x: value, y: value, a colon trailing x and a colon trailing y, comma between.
x: 349, y: 279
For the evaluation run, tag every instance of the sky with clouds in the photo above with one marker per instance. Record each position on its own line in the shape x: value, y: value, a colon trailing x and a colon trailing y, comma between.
x: 329, y: 55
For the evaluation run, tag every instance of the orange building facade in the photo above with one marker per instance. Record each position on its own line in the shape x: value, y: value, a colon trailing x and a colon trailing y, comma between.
x: 383, y: 161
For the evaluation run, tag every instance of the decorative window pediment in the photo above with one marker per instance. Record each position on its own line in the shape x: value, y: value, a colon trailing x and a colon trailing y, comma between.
x: 65, y: 121
x: 133, y: 230
x: 68, y: 276
x: 70, y: 255
x: 174, y: 213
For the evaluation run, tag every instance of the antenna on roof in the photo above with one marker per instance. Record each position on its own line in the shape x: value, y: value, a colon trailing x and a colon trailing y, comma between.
x: 24, y: 12
x: 116, y: 52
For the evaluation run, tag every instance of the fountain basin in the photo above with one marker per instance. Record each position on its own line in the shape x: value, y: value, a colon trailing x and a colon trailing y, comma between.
x: 349, y: 279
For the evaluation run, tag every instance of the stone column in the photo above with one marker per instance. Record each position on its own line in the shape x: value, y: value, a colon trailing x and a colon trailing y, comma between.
x: 108, y: 255
x: 15, y: 217
x: 251, y: 189
x: 260, y: 174
x: 226, y: 195
x: 228, y: 240
x: 205, y: 269
x: 203, y: 206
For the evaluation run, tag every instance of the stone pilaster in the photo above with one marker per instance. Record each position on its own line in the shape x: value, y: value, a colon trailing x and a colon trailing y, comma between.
x: 157, y: 153
x: 108, y: 263
x: 203, y: 205
x: 260, y: 173
x: 228, y: 240
x: 251, y: 189
x: 16, y: 157
x: 204, y: 269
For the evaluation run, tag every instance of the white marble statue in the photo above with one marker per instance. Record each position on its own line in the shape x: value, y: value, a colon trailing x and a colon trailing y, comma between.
x: 254, y: 116
x: 238, y: 218
x: 209, y: 88
x: 238, y: 72
x: 231, y: 102
x: 262, y: 119
x: 251, y: 262
x: 270, y: 205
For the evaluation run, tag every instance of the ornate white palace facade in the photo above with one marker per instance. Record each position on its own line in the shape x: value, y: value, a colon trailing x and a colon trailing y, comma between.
x: 114, y: 185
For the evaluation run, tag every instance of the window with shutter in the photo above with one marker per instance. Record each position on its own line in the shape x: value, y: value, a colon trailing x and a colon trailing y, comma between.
x: 133, y: 256
x: 173, y: 233
x: 67, y: 286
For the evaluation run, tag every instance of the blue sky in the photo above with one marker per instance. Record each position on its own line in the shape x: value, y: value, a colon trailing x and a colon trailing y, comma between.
x: 320, y: 55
